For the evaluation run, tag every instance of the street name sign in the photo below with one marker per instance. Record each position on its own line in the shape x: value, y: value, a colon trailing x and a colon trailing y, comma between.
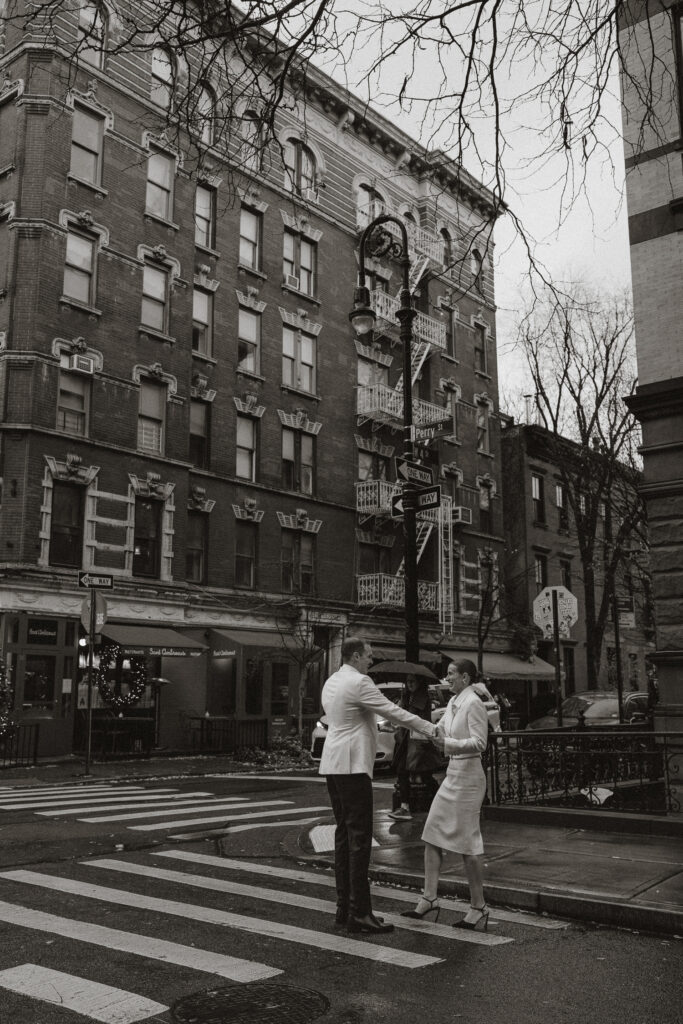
x: 567, y: 611
x: 425, y: 435
x: 429, y: 497
x: 413, y: 472
x: 98, y: 581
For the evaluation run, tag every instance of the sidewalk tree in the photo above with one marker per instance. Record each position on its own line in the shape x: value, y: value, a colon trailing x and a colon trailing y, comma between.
x: 579, y: 355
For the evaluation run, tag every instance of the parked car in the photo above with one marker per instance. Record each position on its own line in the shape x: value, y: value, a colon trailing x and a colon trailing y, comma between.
x: 443, y: 695
x: 599, y: 710
x: 385, y: 730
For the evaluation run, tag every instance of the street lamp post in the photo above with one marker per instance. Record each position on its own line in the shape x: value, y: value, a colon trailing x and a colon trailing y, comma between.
x: 363, y: 318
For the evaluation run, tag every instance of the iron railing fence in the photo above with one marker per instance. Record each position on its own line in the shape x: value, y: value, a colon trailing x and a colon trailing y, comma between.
x: 19, y: 748
x: 626, y: 770
x: 226, y: 735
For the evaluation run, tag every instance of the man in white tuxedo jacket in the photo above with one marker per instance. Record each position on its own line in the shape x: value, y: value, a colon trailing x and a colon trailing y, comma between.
x: 351, y: 702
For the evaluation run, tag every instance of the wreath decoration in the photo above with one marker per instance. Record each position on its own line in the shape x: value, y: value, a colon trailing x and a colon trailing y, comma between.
x: 7, y: 726
x: 108, y: 655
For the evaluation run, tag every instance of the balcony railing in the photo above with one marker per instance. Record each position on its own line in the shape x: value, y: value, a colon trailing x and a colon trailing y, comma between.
x: 373, y: 497
x: 383, y: 404
x: 425, y: 328
x: 380, y: 588
x: 420, y: 241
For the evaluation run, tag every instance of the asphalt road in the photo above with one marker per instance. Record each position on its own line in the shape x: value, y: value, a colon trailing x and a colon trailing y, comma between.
x: 92, y: 932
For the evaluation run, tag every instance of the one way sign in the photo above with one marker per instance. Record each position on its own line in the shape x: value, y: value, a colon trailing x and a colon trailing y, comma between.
x: 430, y: 497
x: 99, y: 581
x: 413, y: 472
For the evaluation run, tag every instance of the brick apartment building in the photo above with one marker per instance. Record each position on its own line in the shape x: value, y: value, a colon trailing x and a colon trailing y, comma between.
x: 185, y: 407
x: 652, y: 36
x: 542, y: 549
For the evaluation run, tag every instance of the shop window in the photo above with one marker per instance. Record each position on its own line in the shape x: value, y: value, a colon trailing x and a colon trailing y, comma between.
x: 205, y: 216
x: 298, y: 461
x: 279, y: 687
x: 196, y: 547
x: 66, y: 525
x: 245, y: 457
x: 39, y: 682
x: 253, y: 687
x: 79, y: 267
x: 245, y: 554
x: 147, y: 550
x: 199, y: 433
x: 87, y: 134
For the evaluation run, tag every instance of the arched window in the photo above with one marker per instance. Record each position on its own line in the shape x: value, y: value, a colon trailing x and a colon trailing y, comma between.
x: 250, y: 130
x: 409, y: 217
x: 299, y: 167
x: 206, y: 113
x: 370, y: 204
x: 446, y: 247
x: 92, y: 30
x: 162, y: 78
x: 476, y: 263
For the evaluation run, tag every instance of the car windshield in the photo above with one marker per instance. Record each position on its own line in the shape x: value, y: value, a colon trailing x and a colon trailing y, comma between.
x: 580, y: 702
x: 608, y: 708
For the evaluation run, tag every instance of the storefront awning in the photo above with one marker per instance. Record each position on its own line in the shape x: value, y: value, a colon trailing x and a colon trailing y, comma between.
x: 505, y: 666
x: 158, y: 641
x: 390, y: 652
x: 224, y: 642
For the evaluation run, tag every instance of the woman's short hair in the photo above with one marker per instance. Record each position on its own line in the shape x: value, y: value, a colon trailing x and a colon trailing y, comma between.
x: 466, y: 666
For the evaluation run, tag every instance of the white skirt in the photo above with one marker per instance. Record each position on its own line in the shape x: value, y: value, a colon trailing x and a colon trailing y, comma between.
x: 453, y: 820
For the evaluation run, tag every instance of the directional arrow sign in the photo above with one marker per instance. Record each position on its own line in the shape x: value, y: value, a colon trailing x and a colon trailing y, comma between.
x: 101, y: 581
x: 413, y: 472
x: 399, y: 502
x: 430, y: 497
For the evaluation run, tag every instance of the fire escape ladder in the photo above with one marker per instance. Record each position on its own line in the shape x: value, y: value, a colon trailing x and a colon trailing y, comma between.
x: 418, y: 353
x: 446, y: 608
x: 424, y: 529
x: 418, y: 266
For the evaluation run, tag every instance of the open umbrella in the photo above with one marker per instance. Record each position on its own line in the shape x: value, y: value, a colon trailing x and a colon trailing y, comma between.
x: 398, y: 669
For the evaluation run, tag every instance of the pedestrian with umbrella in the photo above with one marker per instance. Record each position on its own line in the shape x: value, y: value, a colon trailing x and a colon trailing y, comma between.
x: 414, y: 754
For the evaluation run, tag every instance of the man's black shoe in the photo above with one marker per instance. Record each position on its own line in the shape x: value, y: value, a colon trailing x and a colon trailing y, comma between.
x: 368, y: 925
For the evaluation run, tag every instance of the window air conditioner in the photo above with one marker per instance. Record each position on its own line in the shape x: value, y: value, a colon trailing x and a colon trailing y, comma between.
x: 462, y: 514
x: 310, y: 195
x: 292, y: 281
x: 84, y: 364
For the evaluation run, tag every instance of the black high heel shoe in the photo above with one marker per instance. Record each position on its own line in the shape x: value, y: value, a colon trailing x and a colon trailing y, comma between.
x: 419, y: 915
x: 480, y: 925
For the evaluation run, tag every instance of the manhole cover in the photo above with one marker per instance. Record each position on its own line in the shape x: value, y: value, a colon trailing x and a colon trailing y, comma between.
x: 244, y: 1004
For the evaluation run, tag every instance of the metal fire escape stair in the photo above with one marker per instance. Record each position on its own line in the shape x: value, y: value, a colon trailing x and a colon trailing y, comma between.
x: 424, y: 529
x: 419, y: 350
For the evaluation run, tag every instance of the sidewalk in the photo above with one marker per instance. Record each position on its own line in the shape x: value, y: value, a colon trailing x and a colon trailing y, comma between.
x: 623, y: 876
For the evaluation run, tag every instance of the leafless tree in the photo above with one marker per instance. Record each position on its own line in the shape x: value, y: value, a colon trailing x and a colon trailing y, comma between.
x: 580, y: 357
x: 483, y: 80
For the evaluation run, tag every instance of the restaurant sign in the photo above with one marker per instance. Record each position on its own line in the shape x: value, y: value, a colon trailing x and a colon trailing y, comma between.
x: 138, y: 651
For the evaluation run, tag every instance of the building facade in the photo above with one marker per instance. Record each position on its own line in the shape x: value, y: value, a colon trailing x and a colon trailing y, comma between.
x: 652, y: 117
x: 186, y: 413
x: 543, y: 550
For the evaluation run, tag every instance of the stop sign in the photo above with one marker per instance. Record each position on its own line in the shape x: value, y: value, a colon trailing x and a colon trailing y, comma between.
x: 567, y: 611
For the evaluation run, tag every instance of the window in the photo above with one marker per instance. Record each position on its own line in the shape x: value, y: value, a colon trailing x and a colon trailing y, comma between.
x: 151, y: 416
x: 205, y: 216
x: 451, y: 404
x: 66, y: 525
x: 147, y: 550
x: 476, y: 264
x: 480, y: 360
x: 562, y: 510
x: 373, y: 558
x: 73, y: 403
x: 196, y: 547
x: 79, y: 268
x: 299, y: 167
x: 299, y: 262
x: 199, y: 434
x: 297, y: 562
x: 482, y: 427
x: 446, y: 248
x: 485, y: 509
x: 245, y: 457
x: 91, y: 34
x: 245, y: 554
x: 154, y: 312
x: 206, y: 115
x: 251, y: 132
x: 370, y: 205
x: 540, y: 572
x: 566, y: 573
x: 298, y: 360
x: 160, y: 175
x: 86, y: 146
x: 249, y: 341
x: 279, y: 687
x: 298, y: 461
x: 538, y: 497
x: 450, y: 318
x: 162, y: 78
x: 372, y: 466
x: 369, y: 373
x: 250, y: 238
x: 202, y: 322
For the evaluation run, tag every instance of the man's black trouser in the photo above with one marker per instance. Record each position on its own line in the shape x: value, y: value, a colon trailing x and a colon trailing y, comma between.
x: 351, y: 797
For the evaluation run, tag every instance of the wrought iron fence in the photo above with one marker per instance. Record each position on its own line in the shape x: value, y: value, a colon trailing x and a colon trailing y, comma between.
x: 19, y: 749
x: 625, y: 770
x: 226, y: 735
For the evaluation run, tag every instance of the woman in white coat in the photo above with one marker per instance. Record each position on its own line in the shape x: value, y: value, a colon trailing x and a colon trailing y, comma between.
x: 452, y: 824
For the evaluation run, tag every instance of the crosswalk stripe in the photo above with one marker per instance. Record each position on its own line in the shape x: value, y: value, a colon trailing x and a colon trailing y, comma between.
x: 209, y: 915
x: 153, y: 794
x: 141, y: 802
x: 289, y: 899
x: 233, y: 817
x: 14, y: 796
x: 268, y: 824
x: 89, y: 998
x: 216, y: 805
x: 315, y: 878
x: 232, y: 967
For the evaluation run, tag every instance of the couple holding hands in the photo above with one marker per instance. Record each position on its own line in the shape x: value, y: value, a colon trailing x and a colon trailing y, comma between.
x: 351, y: 702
